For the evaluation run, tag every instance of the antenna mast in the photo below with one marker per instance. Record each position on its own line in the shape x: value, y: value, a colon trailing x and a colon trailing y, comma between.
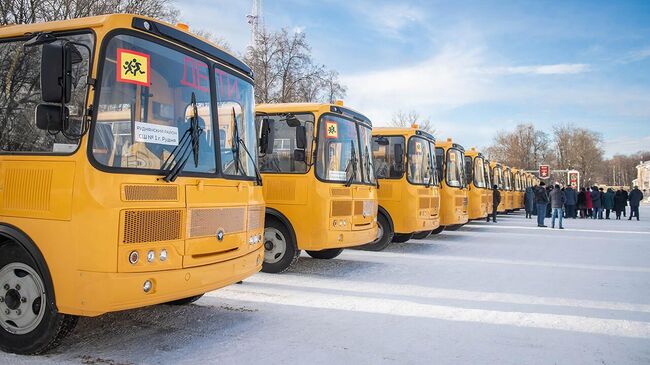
x: 255, y: 20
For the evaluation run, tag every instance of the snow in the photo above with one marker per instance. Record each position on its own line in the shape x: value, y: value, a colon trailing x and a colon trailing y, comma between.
x: 504, y: 293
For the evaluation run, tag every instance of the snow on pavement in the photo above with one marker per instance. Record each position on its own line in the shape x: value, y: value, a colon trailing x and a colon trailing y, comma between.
x: 508, y: 293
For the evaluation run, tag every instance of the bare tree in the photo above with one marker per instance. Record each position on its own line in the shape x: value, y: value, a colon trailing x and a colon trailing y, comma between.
x: 404, y: 119
x: 285, y: 71
x: 32, y: 11
x: 525, y: 147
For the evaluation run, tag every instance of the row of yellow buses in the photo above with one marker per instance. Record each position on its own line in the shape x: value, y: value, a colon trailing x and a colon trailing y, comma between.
x: 135, y: 169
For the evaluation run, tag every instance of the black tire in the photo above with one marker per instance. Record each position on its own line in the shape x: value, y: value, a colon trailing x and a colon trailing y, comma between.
x: 325, y: 254
x: 438, y: 230
x: 288, y: 256
x: 49, y: 329
x: 454, y: 227
x: 386, y: 235
x: 185, y: 301
x: 421, y: 235
x: 402, y: 237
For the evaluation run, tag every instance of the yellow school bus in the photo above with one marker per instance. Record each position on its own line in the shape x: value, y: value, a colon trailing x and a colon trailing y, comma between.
x: 319, y: 181
x: 125, y: 176
x: 508, y: 193
x: 478, y: 191
x: 498, y: 180
x: 518, y: 190
x: 450, y: 166
x: 409, y: 199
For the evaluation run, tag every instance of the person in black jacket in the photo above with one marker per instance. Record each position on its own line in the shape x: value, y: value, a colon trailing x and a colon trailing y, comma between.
x: 582, y: 203
x: 541, y: 200
x: 635, y: 199
x: 619, y: 203
x: 626, y: 196
x: 496, y: 200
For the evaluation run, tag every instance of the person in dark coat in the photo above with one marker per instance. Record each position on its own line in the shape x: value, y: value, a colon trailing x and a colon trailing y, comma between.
x: 608, y: 202
x: 635, y: 198
x: 619, y: 203
x: 590, y: 206
x: 602, y: 203
x: 582, y: 203
x: 595, y: 202
x: 626, y: 196
x: 571, y: 201
x: 548, y: 206
x: 529, y: 202
x: 558, y: 199
x: 496, y: 200
x: 541, y: 201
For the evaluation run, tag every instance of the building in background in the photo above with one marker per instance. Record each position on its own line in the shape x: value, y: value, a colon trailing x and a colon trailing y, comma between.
x: 643, y: 178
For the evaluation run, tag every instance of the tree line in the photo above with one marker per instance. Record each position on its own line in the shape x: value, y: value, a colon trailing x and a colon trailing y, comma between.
x: 565, y: 147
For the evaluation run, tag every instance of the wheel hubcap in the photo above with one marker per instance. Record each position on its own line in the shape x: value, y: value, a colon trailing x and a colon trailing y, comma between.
x: 22, y: 295
x: 275, y: 245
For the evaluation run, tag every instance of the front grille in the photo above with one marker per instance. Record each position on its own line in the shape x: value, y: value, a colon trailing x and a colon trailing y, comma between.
x: 150, y: 193
x: 152, y: 225
x: 255, y: 217
x: 207, y: 221
x: 341, y: 208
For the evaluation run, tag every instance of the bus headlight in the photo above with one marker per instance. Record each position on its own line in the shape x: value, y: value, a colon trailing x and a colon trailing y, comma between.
x: 147, y: 286
x: 134, y: 256
x: 163, y: 255
x: 151, y: 255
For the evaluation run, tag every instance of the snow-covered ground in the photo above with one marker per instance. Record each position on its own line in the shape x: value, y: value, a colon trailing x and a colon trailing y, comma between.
x: 505, y: 293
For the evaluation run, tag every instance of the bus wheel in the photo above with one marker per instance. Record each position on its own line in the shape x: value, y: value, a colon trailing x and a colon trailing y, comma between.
x: 421, y: 235
x: 402, y: 237
x: 325, y: 254
x: 280, y: 252
x: 454, y: 227
x: 185, y: 301
x: 384, y: 235
x: 29, y: 321
x: 438, y: 230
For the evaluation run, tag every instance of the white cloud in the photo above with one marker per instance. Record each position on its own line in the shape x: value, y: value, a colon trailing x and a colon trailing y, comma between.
x: 556, y: 69
x: 626, y: 145
x: 635, y: 56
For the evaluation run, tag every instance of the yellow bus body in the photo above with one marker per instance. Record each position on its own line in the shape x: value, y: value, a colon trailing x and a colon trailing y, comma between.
x: 411, y: 208
x: 322, y: 215
x: 86, y: 222
x: 480, y: 198
x: 517, y: 178
x: 453, y: 200
x: 509, y: 189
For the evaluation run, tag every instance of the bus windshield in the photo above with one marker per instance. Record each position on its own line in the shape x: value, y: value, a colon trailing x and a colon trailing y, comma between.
x: 388, y: 154
x: 488, y: 173
x: 150, y: 97
x: 507, y: 180
x: 421, y: 170
x: 498, y: 177
x: 455, y: 168
x: 479, y: 173
x: 344, y: 151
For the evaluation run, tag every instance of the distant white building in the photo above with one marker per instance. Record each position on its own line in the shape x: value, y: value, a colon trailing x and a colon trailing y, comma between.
x: 643, y: 177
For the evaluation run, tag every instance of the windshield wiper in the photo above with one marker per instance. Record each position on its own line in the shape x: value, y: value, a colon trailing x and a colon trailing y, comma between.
x: 353, y: 163
x: 235, y: 150
x: 188, y: 143
x: 430, y: 169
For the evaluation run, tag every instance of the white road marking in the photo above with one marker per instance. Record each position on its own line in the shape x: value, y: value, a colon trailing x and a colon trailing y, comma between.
x: 405, y: 308
x: 482, y: 260
x: 499, y: 226
x: 440, y: 293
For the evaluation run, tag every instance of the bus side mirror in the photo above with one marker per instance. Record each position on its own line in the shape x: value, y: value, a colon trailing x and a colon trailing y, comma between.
x: 301, y: 137
x: 268, y: 136
x: 299, y: 153
x: 50, y: 117
x: 398, y: 150
x: 57, y: 59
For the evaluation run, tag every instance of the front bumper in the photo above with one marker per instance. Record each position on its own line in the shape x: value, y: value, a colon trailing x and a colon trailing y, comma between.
x: 100, y: 293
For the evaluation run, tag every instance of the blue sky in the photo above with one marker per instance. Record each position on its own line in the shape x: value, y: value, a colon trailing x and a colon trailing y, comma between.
x: 473, y: 67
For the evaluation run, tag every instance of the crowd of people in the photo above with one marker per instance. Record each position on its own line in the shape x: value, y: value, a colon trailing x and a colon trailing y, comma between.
x: 557, y: 202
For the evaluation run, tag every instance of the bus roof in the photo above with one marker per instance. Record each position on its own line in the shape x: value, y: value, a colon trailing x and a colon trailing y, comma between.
x: 311, y: 108
x: 404, y: 131
x: 131, y: 21
x: 447, y: 144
